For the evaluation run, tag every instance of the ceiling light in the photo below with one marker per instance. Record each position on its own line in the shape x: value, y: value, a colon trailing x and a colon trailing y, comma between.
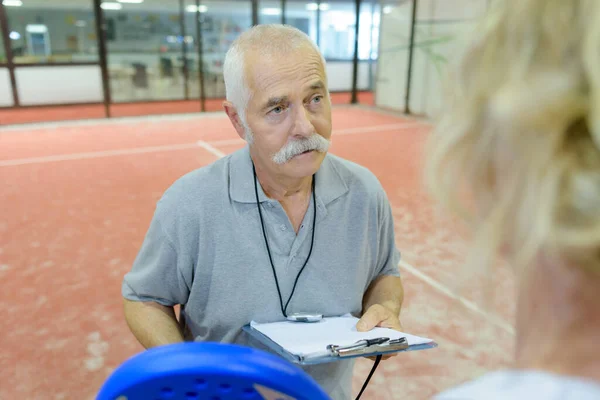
x: 12, y: 3
x: 387, y: 9
x: 271, y: 11
x: 36, y: 28
x: 111, y: 6
x: 315, y: 7
x: 131, y: 1
x: 194, y: 9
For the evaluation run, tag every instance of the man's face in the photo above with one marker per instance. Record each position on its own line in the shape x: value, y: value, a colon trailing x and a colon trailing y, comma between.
x: 289, y: 112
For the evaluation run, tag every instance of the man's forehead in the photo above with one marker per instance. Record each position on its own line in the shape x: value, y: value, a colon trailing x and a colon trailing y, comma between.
x: 263, y: 71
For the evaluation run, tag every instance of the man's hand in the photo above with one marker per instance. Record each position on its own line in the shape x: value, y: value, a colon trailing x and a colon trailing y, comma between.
x: 379, y: 316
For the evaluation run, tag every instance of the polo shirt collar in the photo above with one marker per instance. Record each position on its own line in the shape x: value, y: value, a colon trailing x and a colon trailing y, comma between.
x: 329, y: 183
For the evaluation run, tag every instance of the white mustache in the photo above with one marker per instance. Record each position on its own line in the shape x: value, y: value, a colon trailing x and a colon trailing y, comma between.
x: 299, y: 146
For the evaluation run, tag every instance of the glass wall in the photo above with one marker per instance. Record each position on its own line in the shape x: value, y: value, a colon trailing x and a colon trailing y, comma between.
x: 269, y: 12
x: 368, y: 30
x: 368, y: 37
x: 222, y: 22
x: 393, y: 55
x: 303, y: 15
x: 337, y: 30
x: 440, y: 29
x: 157, y: 49
x: 43, y: 31
x: 191, y: 43
x: 338, y: 22
x: 144, y: 45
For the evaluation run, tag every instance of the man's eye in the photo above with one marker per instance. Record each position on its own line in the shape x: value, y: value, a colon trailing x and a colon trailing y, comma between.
x: 317, y: 99
x: 277, y: 110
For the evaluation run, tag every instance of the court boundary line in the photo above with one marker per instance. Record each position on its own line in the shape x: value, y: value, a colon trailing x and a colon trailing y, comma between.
x: 211, y: 149
x: 494, y: 320
x: 26, y: 127
x: 186, y: 146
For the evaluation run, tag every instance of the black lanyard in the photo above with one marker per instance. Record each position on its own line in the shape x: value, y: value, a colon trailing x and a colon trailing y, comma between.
x: 314, y: 228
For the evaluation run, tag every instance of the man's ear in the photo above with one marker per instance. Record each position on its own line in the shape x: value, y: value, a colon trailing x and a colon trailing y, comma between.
x: 235, y: 119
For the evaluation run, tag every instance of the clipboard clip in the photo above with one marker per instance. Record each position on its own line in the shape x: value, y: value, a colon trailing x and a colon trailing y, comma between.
x: 368, y: 346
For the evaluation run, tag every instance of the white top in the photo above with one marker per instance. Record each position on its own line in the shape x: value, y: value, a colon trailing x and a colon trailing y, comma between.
x: 521, y: 385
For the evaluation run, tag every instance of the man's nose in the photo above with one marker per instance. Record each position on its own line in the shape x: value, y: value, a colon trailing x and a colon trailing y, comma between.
x: 302, y: 123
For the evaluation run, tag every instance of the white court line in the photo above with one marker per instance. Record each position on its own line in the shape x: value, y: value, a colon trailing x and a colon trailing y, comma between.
x: 467, y: 303
x: 211, y: 149
x: 140, y: 150
x: 97, y: 154
x: 27, y: 127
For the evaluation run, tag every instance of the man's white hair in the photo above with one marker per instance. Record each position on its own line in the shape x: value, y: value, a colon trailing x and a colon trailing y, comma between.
x: 267, y: 39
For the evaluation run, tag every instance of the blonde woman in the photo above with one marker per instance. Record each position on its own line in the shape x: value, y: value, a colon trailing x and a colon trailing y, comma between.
x: 517, y: 153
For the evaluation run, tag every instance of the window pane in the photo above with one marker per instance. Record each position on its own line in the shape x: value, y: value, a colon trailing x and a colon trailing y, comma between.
x: 269, y: 12
x: 368, y: 31
x: 191, y: 48
x: 45, y: 31
x: 337, y: 30
x: 302, y: 15
x: 144, y: 43
x: 222, y: 22
x: 438, y: 33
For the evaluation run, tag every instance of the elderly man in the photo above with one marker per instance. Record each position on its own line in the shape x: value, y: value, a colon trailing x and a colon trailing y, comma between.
x: 276, y: 228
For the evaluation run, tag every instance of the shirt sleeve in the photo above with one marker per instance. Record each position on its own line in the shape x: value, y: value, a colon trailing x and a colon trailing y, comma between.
x: 162, y: 269
x: 388, y: 255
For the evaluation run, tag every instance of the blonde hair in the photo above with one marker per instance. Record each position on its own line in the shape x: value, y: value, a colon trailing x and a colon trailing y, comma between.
x: 516, y: 151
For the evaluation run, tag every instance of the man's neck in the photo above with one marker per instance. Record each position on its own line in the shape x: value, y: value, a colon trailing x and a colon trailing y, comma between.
x: 558, y: 321
x: 283, y: 188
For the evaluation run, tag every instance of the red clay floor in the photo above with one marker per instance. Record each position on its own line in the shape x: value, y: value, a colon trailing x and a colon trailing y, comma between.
x: 77, y: 200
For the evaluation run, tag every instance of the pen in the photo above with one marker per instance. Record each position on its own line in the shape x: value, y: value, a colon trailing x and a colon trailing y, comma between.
x: 371, y: 342
x: 361, y: 344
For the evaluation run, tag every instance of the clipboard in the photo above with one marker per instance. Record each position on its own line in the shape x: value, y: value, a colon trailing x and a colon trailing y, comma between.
x: 337, y: 353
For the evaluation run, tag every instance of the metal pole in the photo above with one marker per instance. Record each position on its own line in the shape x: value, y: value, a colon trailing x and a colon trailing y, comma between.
x: 254, y: 12
x: 354, y: 99
x: 318, y: 24
x: 200, y: 62
x: 101, y: 37
x: 371, y: 46
x: 9, y: 55
x: 186, y: 89
x: 410, y: 57
x: 283, y: 4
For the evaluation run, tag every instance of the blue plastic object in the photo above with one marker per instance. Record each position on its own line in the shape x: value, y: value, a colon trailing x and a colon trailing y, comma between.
x: 211, y: 371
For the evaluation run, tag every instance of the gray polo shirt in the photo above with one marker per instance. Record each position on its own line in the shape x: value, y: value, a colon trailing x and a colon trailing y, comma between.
x: 205, y: 250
